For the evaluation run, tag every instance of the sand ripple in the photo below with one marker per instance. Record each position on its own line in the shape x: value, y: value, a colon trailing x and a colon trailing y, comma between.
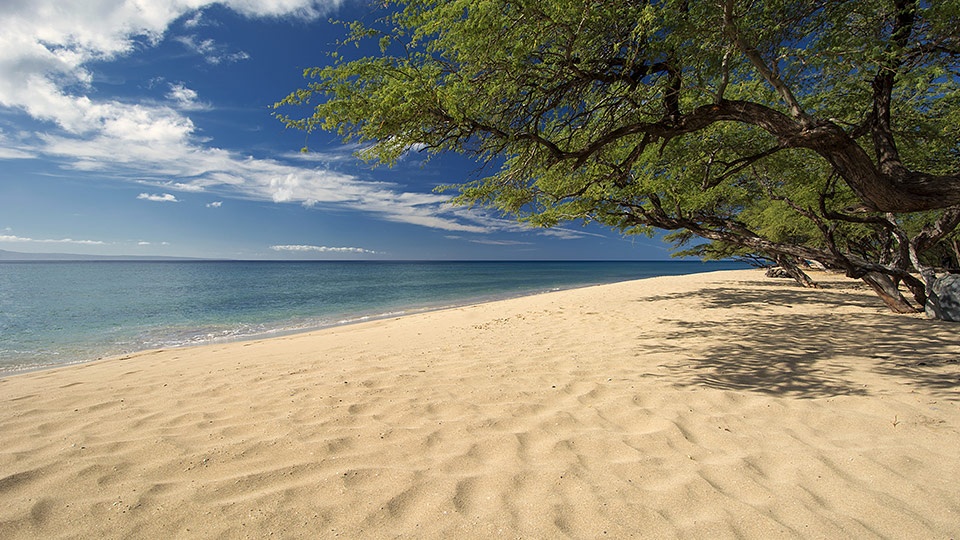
x: 662, y: 408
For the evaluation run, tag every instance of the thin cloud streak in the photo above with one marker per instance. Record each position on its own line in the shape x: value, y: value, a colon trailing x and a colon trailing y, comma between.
x: 20, y: 239
x: 211, y: 52
x: 322, y: 249
x: 500, y: 242
x: 165, y: 197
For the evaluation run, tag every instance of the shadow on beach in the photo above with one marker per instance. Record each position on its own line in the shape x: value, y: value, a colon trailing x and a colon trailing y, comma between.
x: 814, y: 355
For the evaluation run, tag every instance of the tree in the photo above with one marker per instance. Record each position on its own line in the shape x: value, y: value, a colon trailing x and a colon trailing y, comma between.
x: 678, y: 115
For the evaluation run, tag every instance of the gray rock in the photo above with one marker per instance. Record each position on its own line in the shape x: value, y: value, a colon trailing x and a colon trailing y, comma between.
x: 943, y: 299
x: 777, y: 272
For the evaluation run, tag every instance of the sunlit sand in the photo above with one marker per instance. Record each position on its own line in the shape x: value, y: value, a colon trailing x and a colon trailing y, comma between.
x: 712, y: 405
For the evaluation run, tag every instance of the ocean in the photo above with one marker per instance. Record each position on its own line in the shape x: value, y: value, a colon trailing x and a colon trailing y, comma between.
x: 57, y: 313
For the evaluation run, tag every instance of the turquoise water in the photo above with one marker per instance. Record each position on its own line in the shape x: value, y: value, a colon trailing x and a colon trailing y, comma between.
x: 54, y: 313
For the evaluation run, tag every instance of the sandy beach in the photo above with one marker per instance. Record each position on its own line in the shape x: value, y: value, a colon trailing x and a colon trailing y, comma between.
x: 714, y: 405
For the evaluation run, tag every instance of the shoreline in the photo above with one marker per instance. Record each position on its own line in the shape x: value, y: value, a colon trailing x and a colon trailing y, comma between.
x: 35, y: 346
x: 282, y: 328
x: 285, y: 331
x: 288, y: 332
x: 717, y: 404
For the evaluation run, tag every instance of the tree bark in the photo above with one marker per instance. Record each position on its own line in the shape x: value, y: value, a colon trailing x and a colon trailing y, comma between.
x: 793, y: 270
x: 887, y: 290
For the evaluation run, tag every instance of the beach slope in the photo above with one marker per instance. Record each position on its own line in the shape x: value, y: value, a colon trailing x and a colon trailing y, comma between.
x: 713, y: 405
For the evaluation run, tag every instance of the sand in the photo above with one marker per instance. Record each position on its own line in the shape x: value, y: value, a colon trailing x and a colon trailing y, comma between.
x: 716, y: 405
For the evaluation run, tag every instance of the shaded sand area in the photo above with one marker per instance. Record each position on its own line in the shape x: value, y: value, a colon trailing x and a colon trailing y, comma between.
x: 708, y: 406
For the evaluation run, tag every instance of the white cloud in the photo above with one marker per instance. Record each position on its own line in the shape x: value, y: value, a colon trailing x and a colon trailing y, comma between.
x: 185, y: 98
x: 47, y: 45
x: 306, y: 9
x: 180, y: 186
x: 13, y: 149
x: 500, y: 242
x: 14, y: 153
x: 215, y: 204
x: 166, y: 197
x: 20, y: 239
x: 212, y: 52
x: 344, y: 153
x: 47, y: 48
x: 195, y: 21
x: 179, y: 92
x: 321, y: 249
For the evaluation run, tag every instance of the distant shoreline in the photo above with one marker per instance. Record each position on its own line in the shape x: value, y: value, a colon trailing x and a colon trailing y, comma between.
x: 14, y: 257
x: 17, y: 256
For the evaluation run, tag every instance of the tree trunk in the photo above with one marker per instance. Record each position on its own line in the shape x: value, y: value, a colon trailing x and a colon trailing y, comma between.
x: 794, y: 271
x: 887, y: 290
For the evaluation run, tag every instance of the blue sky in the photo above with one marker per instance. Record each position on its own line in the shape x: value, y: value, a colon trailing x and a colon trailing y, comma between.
x: 145, y: 128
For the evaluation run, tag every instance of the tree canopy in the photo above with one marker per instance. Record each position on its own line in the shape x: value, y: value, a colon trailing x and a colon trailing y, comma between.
x: 825, y: 130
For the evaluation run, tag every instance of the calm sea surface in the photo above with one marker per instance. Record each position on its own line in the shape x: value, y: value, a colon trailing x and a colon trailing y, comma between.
x: 54, y: 313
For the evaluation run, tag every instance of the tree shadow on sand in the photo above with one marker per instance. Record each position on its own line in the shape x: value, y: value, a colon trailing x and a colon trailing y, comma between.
x: 810, y: 356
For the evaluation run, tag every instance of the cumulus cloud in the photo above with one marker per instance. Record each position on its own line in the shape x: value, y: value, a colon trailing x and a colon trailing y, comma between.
x: 215, y: 204
x: 322, y: 249
x: 185, y: 98
x: 46, y: 46
x: 47, y: 50
x: 166, y: 197
x: 20, y: 239
x: 179, y: 92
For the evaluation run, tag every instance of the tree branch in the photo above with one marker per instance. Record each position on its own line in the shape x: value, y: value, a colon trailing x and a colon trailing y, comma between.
x: 725, y: 77
x: 734, y: 167
x: 888, y: 156
x: 752, y: 54
x: 935, y: 232
x: 907, y: 191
